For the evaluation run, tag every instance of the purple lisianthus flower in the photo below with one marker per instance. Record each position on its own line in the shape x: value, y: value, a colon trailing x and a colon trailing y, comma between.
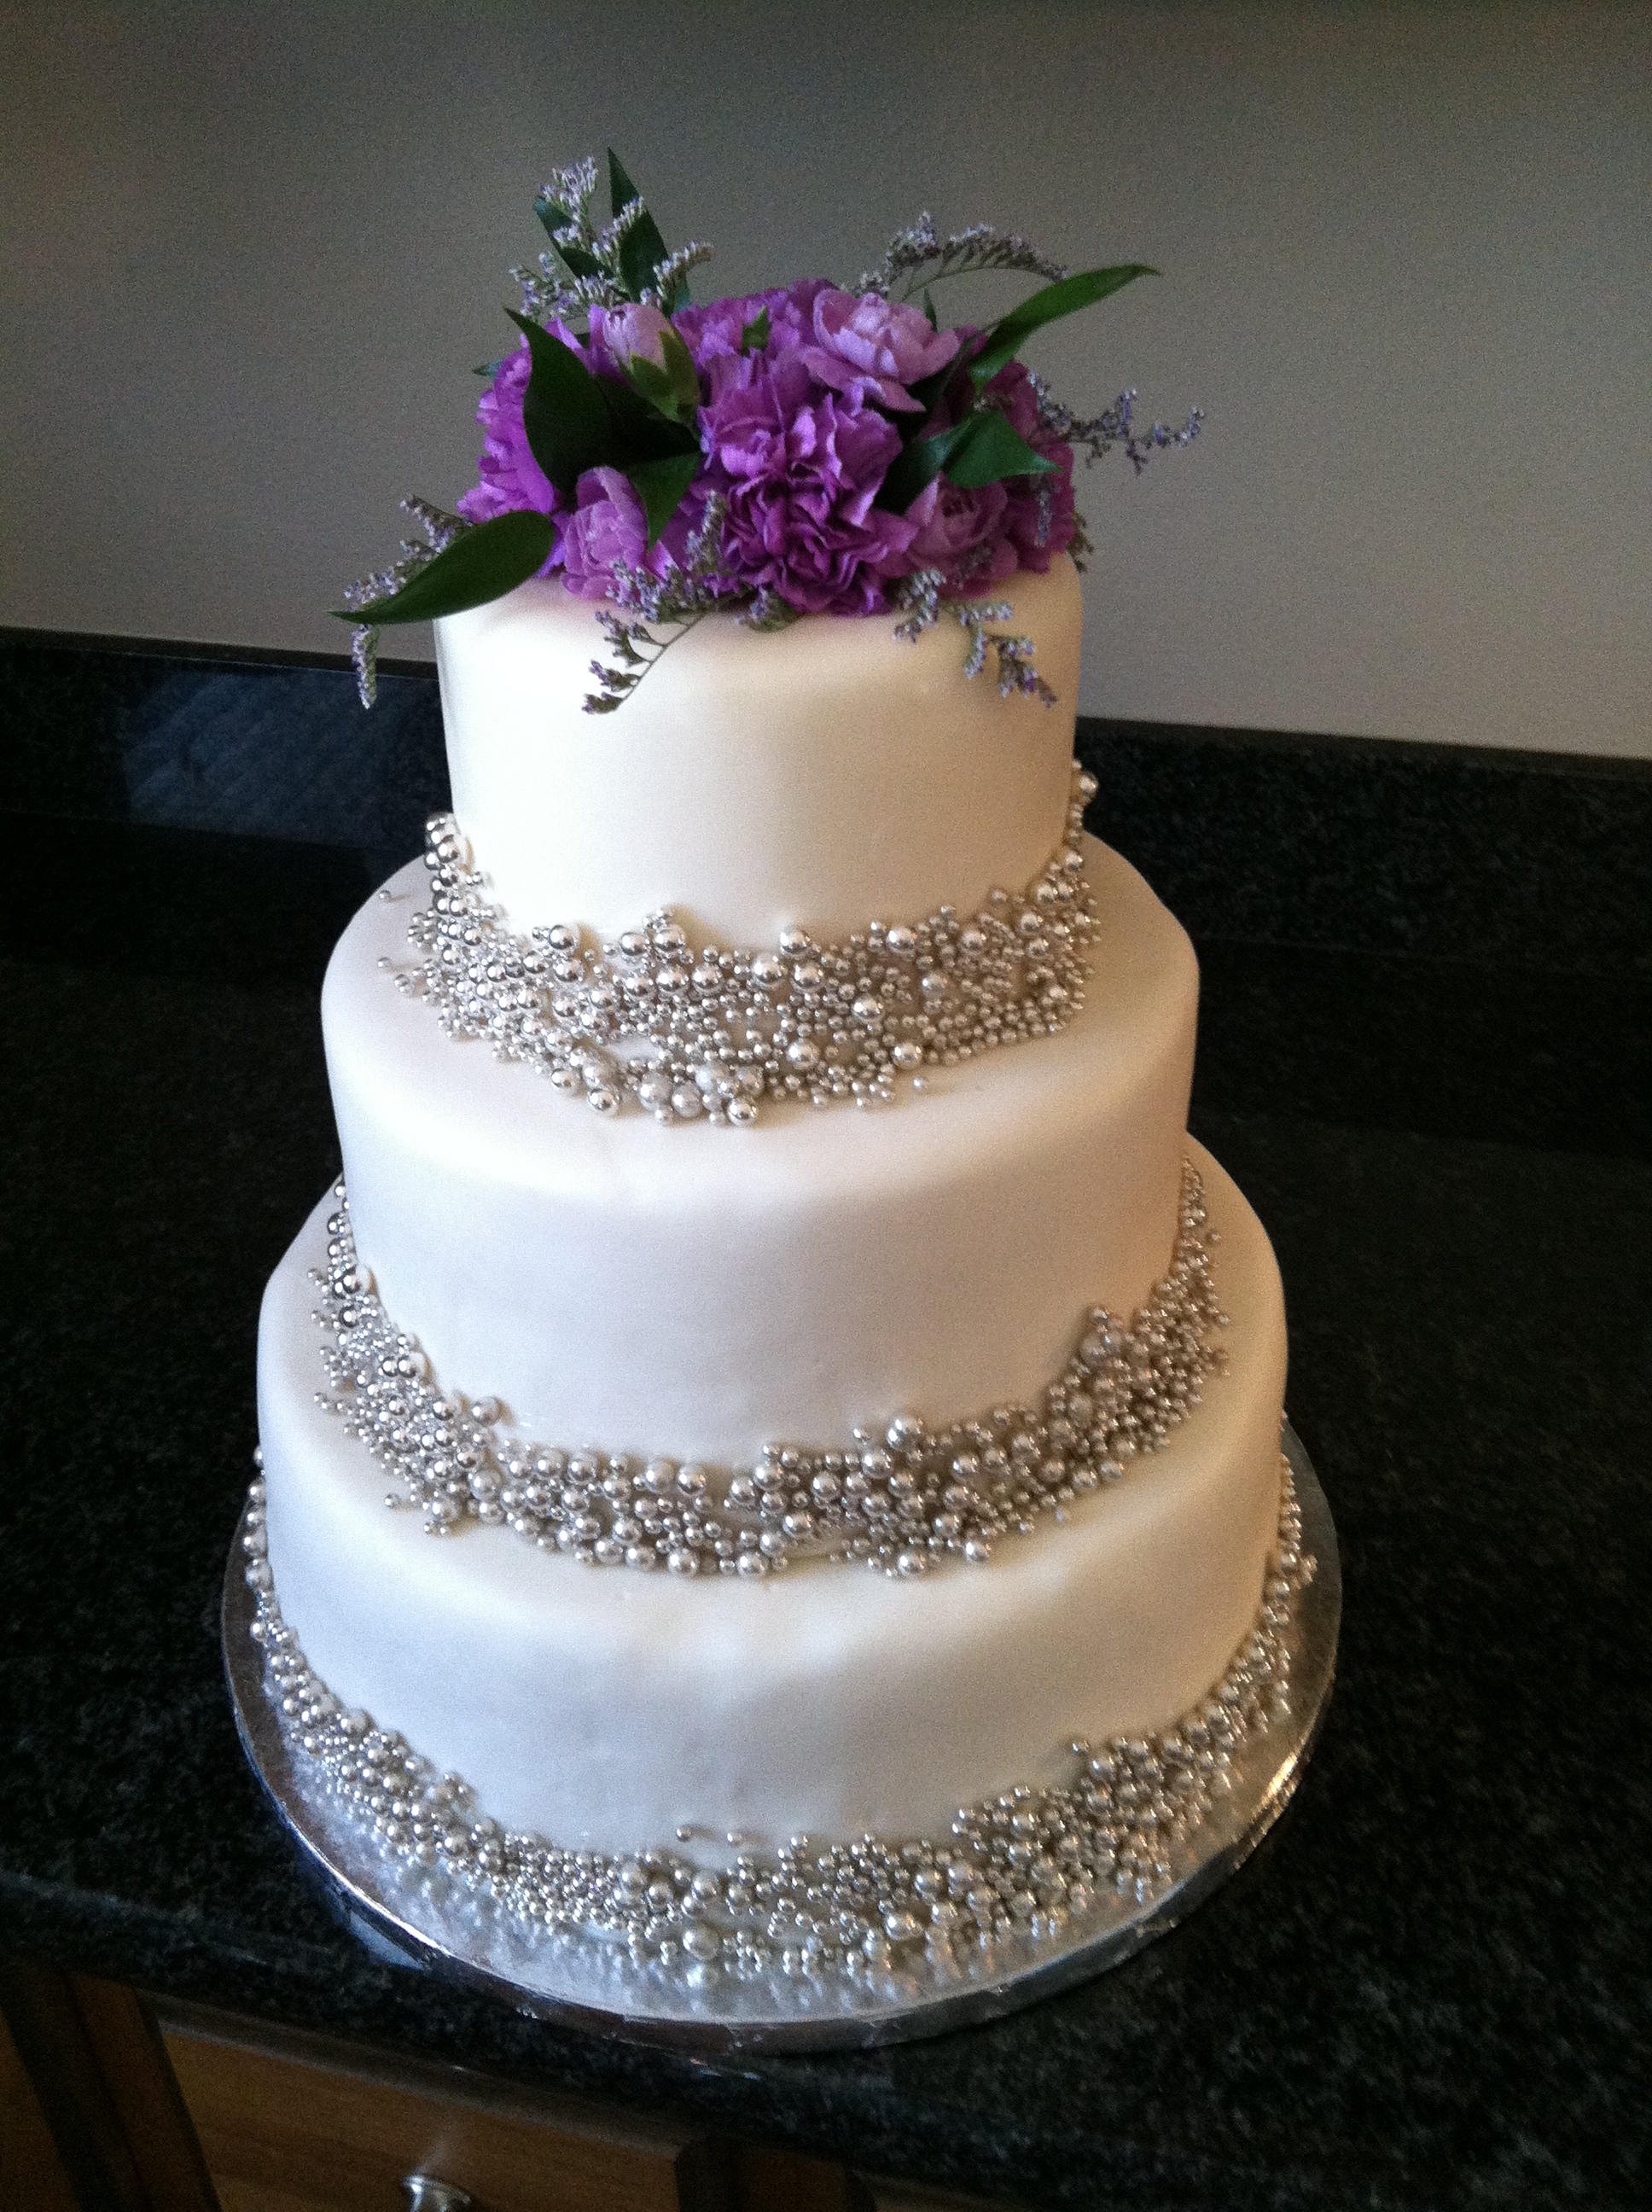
x: 511, y: 478
x: 875, y: 346
x: 800, y: 468
x: 608, y: 527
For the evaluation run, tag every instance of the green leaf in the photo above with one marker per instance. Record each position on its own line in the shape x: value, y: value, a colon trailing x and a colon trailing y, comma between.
x: 991, y: 448
x: 483, y: 564
x: 642, y: 249
x: 621, y: 190
x: 978, y: 450
x: 1006, y: 337
x: 754, y: 335
x: 929, y: 309
x: 917, y: 465
x: 568, y: 427
x: 655, y: 385
x: 679, y: 367
x: 660, y: 486
x: 928, y: 390
x: 639, y: 432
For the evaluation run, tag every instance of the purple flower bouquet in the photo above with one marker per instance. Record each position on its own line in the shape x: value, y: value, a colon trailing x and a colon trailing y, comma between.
x: 805, y: 451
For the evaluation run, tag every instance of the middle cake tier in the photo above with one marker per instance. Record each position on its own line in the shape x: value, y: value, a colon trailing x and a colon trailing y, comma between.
x: 702, y: 1291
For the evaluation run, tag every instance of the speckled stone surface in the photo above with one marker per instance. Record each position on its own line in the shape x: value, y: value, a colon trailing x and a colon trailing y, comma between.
x: 1451, y: 852
x: 1429, y: 1987
x: 1543, y: 861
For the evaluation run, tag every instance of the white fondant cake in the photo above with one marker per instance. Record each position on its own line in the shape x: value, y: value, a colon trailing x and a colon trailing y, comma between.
x: 694, y: 1292
x: 699, y: 1291
x: 607, y: 1710
x: 825, y: 776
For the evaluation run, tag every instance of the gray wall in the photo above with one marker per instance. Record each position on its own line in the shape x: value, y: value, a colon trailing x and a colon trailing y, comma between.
x: 251, y: 254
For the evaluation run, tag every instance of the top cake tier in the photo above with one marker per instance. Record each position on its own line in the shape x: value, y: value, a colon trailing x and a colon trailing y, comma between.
x: 818, y: 778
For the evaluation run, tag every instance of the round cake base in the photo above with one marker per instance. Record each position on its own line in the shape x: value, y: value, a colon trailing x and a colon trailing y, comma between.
x: 421, y: 1919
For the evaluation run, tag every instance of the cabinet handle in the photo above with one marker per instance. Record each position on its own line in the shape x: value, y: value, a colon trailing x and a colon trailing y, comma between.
x: 426, y: 2194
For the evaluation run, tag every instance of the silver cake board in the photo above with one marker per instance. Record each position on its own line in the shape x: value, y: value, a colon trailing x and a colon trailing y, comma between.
x: 415, y: 1916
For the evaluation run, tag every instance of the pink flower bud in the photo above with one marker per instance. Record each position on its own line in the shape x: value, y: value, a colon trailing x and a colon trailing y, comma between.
x: 636, y: 333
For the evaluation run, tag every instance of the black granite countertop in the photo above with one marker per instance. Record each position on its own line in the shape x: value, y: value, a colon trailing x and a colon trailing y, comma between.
x: 1425, y: 1056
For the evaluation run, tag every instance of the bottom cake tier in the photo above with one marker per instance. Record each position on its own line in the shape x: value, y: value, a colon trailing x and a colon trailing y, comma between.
x: 614, y: 1712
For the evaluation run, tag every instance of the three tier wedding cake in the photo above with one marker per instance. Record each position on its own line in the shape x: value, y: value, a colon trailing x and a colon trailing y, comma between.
x: 828, y: 1410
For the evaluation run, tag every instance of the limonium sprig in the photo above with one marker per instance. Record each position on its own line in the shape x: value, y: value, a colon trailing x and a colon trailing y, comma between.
x: 678, y: 600
x: 917, y: 258
x: 804, y: 450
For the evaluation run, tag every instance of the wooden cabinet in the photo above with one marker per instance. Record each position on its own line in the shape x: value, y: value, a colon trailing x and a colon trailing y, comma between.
x: 111, y: 2104
x: 32, y: 2175
x: 282, y: 2135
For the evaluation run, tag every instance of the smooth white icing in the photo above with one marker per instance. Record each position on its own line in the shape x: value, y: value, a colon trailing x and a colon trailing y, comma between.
x: 820, y: 777
x: 701, y: 1291
x: 606, y: 1709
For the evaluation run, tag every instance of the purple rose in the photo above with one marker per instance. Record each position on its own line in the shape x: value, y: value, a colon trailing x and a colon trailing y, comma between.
x: 1011, y: 393
x: 800, y: 469
x: 1035, y: 519
x: 962, y: 533
x: 511, y: 478
x: 873, y: 345
x: 1038, y: 520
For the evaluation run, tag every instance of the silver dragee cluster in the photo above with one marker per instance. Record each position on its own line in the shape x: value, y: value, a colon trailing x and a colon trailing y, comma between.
x: 898, y: 1499
x: 713, y: 1032
x: 1021, y: 1865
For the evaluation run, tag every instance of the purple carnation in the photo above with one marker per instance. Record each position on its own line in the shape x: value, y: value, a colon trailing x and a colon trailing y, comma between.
x: 712, y: 333
x: 873, y: 347
x: 800, y: 469
x: 795, y: 441
x: 511, y: 478
x: 608, y: 527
